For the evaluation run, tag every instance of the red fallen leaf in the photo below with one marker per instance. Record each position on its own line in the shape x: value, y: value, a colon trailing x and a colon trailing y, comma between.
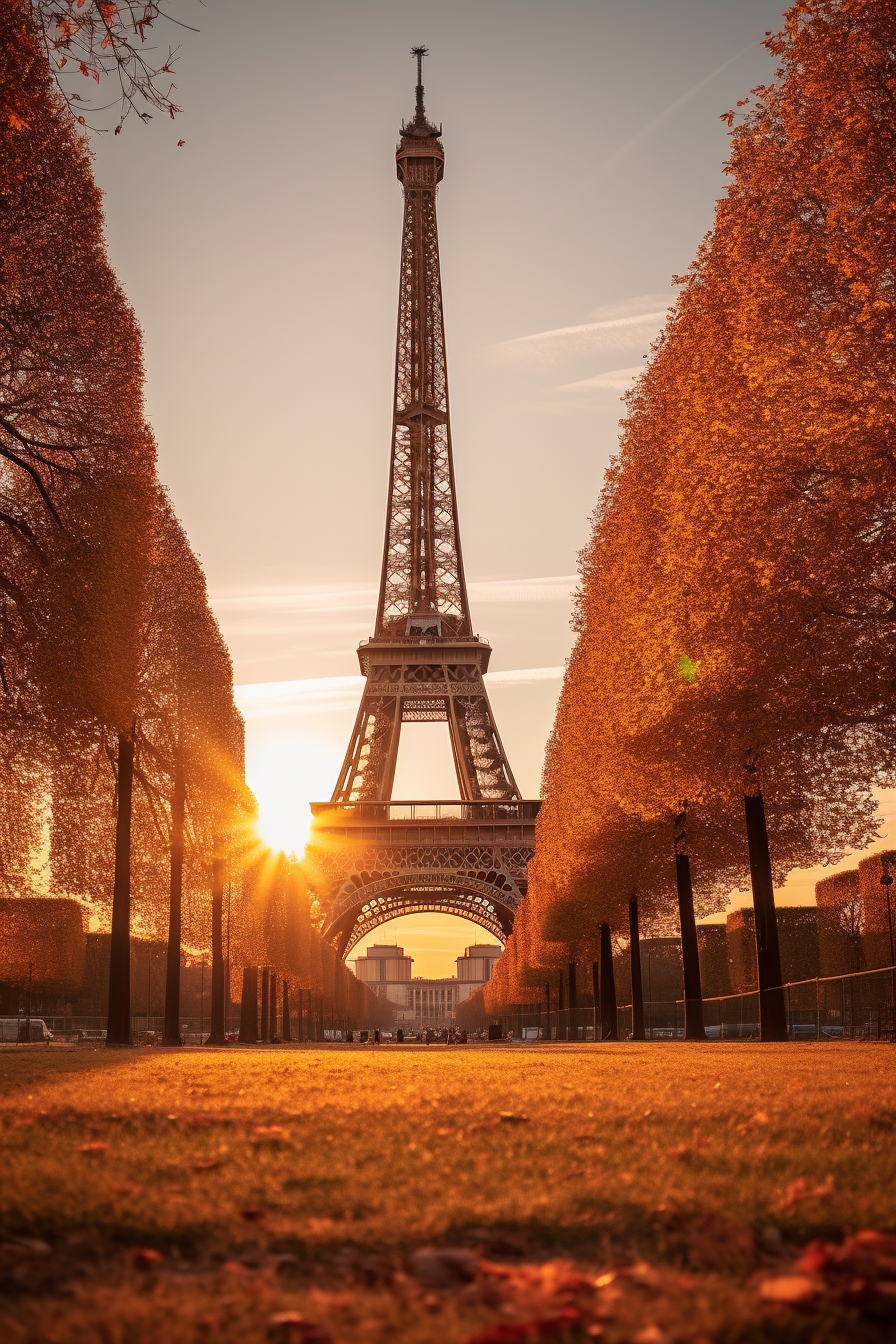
x: 289, y: 1327
x: 181, y: 143
x: 253, y: 1215
x: 94, y: 1147
x: 815, y: 1258
x: 790, y: 1290
x: 146, y: 1258
x: 118, y: 130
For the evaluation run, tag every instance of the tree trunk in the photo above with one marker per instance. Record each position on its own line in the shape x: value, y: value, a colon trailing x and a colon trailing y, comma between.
x: 265, y: 1032
x: 301, y: 1018
x: 118, y: 1023
x: 772, y: 1010
x: 286, y: 1033
x: 561, y: 1026
x: 272, y: 1008
x: 609, y: 1027
x: 573, y: 1031
x: 548, y: 1032
x: 694, y: 1029
x: 638, y: 1033
x: 216, y: 1036
x: 249, y: 1007
x: 595, y: 990
x: 171, y: 1032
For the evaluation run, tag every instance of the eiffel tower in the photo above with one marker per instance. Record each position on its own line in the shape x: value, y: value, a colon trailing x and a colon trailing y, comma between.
x: 374, y: 857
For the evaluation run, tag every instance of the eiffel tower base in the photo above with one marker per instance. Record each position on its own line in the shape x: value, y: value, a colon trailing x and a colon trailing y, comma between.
x: 373, y: 861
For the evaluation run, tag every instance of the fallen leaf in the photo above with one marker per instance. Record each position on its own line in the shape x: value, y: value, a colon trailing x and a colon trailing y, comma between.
x: 290, y: 1327
x: 789, y: 1290
x: 145, y: 1258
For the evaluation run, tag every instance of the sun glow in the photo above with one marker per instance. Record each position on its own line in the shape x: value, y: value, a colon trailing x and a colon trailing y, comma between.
x: 286, y: 775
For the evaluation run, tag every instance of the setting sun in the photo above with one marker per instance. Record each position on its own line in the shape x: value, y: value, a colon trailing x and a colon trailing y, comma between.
x: 285, y: 776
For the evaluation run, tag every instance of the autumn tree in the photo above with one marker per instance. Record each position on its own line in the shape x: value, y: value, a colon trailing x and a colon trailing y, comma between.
x: 738, y: 592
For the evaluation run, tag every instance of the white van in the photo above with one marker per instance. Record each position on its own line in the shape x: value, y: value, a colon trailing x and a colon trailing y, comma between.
x: 20, y: 1029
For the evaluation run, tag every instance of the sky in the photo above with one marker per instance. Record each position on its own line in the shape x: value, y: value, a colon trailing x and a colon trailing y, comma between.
x: 584, y: 152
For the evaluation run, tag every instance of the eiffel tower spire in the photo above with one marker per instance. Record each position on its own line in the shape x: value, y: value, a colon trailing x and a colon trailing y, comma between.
x: 423, y: 663
x: 422, y: 585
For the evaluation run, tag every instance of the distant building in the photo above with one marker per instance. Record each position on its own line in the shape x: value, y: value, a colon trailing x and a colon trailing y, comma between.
x: 387, y: 971
x: 475, y: 967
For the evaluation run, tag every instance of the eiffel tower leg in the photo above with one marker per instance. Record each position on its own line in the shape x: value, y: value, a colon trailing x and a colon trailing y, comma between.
x: 479, y: 758
x: 369, y: 766
x: 463, y: 758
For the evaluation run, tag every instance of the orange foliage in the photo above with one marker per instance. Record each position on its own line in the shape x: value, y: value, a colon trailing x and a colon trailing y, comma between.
x: 738, y: 592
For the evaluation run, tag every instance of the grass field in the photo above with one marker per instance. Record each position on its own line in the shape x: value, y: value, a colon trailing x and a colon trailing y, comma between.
x: 643, y: 1193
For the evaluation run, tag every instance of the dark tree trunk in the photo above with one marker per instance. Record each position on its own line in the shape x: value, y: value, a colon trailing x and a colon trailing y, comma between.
x: 272, y: 1007
x: 547, y: 1011
x: 118, y: 1023
x: 265, y: 1032
x: 609, y: 1028
x: 286, y: 1033
x: 694, y: 1029
x: 561, y: 1025
x: 301, y: 1018
x: 249, y: 1007
x: 595, y: 990
x: 217, y: 1036
x: 772, y: 1010
x: 637, y: 984
x: 171, y: 1032
x: 573, y: 1032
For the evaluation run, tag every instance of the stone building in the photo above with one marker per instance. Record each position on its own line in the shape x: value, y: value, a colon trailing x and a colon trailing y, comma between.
x: 421, y: 1002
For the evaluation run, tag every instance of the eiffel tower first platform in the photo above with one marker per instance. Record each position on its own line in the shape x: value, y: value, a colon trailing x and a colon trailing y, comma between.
x: 374, y: 858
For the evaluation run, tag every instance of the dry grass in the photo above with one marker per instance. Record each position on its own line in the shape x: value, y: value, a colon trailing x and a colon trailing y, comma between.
x: 194, y: 1195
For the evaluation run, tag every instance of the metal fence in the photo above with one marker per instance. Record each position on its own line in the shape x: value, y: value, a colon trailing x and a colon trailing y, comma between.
x: 840, y: 1007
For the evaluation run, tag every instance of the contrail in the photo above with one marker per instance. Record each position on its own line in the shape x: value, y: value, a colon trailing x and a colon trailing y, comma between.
x: 640, y: 136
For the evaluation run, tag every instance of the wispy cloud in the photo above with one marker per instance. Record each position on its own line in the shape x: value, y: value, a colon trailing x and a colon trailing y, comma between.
x: 319, y: 695
x: 615, y: 380
x: 278, y: 602
x: 631, y: 325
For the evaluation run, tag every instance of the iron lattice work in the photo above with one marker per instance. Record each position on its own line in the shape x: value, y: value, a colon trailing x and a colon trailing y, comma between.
x: 422, y: 585
x: 423, y: 664
x: 373, y: 861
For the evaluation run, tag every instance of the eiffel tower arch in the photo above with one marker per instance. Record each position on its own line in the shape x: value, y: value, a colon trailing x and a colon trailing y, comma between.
x: 375, y: 857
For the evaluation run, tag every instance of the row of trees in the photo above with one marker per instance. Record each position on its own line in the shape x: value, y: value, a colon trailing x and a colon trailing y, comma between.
x: 121, y: 749
x: 734, y: 660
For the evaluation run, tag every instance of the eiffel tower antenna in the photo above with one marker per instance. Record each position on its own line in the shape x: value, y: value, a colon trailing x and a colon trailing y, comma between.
x: 420, y: 52
x: 423, y: 663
